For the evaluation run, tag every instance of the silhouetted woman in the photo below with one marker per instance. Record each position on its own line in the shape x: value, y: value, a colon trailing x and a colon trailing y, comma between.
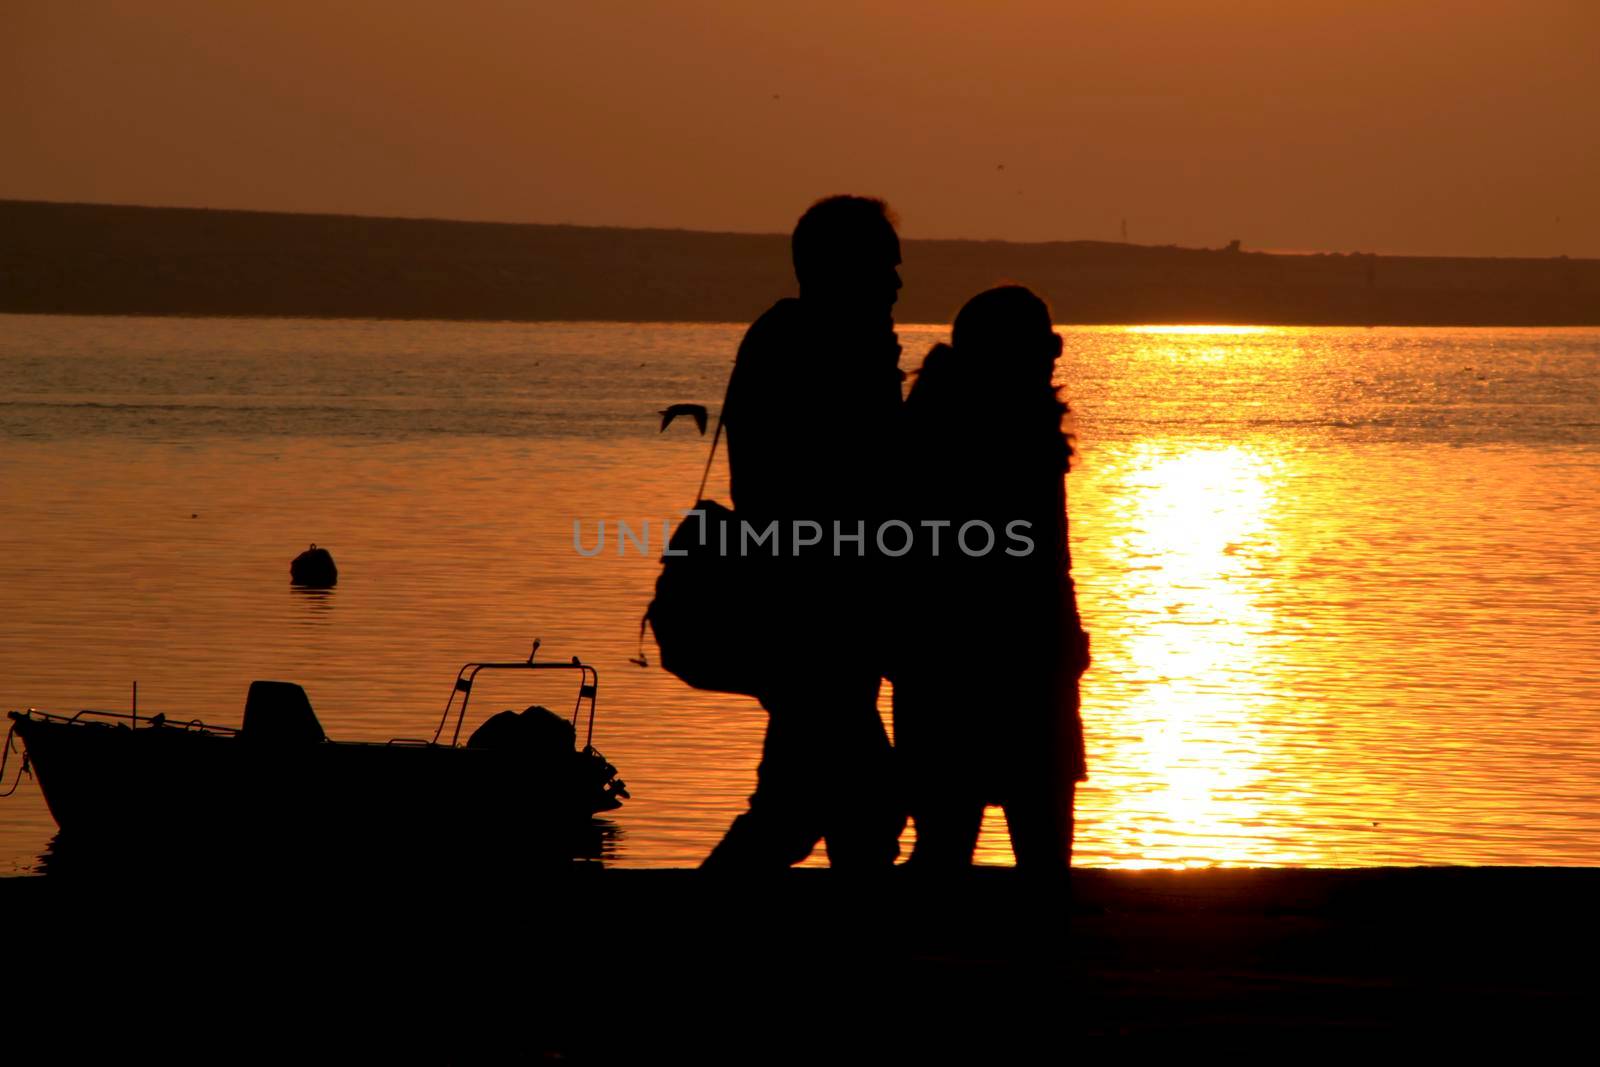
x: 986, y: 689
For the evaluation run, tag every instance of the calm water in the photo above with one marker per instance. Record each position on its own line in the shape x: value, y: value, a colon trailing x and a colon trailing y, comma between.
x: 1341, y: 581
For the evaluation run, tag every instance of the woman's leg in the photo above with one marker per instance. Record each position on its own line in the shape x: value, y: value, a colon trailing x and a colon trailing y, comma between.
x: 1041, y: 828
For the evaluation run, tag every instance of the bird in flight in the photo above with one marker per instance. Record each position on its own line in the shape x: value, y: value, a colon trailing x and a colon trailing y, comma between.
x: 697, y: 412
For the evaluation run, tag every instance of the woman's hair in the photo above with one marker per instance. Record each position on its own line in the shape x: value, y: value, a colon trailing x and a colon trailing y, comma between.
x: 1003, y: 346
x: 1008, y: 323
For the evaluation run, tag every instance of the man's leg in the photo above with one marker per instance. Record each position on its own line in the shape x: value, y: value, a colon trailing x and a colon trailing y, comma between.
x: 944, y: 801
x: 947, y: 834
x: 826, y: 769
x: 864, y: 806
x: 784, y: 822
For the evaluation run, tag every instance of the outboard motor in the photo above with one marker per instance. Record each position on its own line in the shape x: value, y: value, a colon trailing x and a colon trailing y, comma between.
x: 279, y: 713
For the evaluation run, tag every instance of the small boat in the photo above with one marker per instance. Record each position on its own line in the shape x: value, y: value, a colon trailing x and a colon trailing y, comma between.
x: 115, y: 776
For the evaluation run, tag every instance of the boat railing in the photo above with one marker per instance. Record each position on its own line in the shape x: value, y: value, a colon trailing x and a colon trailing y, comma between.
x: 588, y: 687
x: 129, y: 719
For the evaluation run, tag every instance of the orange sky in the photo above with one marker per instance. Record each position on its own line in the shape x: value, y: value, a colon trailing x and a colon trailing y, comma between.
x: 1447, y: 126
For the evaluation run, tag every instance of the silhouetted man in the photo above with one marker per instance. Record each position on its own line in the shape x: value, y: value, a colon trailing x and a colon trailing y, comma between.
x: 812, y: 409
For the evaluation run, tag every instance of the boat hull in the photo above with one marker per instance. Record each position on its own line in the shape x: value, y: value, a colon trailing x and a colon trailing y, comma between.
x: 110, y: 781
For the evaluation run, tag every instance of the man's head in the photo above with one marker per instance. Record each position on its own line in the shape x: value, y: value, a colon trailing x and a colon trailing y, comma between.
x: 846, y: 252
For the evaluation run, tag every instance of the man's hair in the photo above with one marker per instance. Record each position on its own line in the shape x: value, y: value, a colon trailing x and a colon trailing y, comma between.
x: 836, y: 229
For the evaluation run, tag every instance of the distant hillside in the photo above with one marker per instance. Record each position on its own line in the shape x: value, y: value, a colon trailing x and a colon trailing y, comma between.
x: 103, y: 259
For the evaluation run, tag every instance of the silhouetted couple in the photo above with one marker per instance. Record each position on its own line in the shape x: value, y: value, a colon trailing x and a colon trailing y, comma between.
x: 925, y: 541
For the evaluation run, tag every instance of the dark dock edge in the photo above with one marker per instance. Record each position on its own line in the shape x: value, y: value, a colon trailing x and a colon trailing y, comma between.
x: 601, y: 965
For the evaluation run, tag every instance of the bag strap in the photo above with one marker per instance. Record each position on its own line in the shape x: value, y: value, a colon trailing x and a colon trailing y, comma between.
x: 699, y: 495
x: 705, y: 476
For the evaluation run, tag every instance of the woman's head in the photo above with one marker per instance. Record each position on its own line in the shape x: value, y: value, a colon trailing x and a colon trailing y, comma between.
x: 1009, y: 329
x: 1001, y: 360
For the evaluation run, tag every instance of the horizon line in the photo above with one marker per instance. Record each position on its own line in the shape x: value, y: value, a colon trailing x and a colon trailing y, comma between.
x: 1226, y: 250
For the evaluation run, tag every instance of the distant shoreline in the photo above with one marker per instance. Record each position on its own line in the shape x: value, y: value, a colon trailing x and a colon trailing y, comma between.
x: 902, y: 323
x: 119, y: 260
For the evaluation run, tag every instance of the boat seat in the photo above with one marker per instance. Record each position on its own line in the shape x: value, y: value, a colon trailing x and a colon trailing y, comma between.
x: 280, y: 713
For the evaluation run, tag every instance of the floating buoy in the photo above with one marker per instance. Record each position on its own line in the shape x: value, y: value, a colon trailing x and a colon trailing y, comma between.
x: 314, y: 568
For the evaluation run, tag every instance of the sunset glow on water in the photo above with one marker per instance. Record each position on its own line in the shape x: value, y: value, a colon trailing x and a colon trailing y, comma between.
x: 1340, y: 582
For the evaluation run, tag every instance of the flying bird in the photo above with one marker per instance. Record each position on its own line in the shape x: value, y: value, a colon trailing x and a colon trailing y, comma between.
x: 695, y: 411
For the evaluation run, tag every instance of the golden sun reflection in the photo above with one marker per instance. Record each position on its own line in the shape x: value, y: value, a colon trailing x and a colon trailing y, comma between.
x: 1182, y: 708
x: 1196, y: 518
x: 1201, y: 330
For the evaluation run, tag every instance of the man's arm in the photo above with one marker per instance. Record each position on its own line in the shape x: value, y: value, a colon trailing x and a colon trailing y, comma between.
x: 765, y: 439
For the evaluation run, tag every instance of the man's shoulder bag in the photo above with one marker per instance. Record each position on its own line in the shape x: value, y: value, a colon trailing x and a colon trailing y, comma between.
x: 708, y: 611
